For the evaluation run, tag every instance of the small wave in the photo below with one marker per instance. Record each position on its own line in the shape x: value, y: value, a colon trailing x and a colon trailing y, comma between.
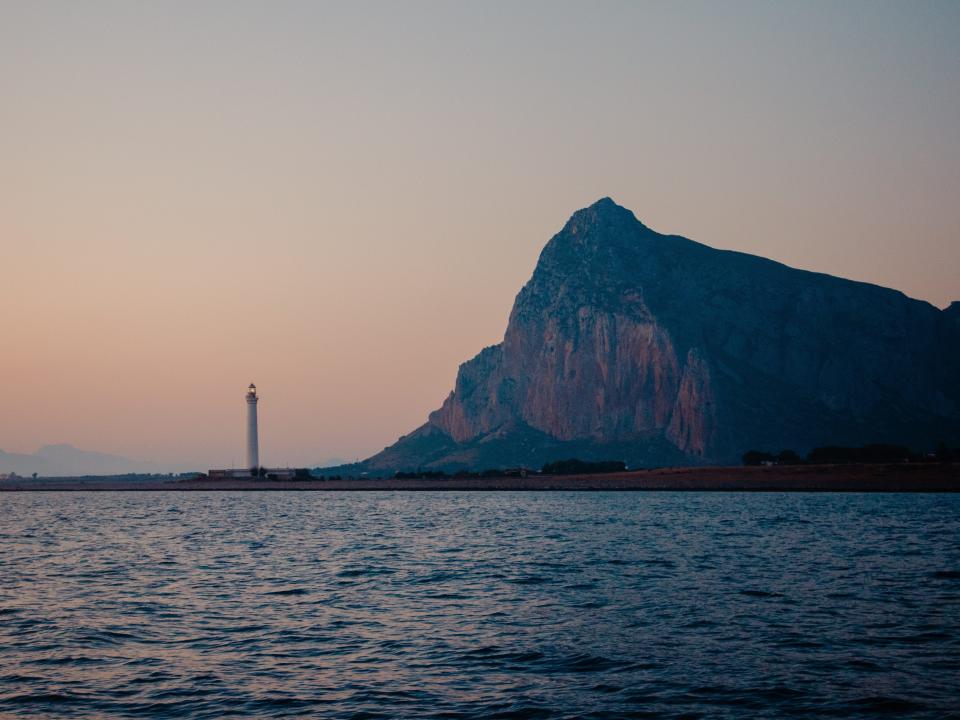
x: 531, y: 580
x: 607, y: 689
x: 18, y: 678
x: 245, y: 628
x: 102, y: 638
x: 289, y: 591
x: 885, y: 705
x: 435, y: 577
x: 777, y: 693
x: 176, y: 693
x: 925, y: 637
x: 280, y: 703
x: 41, y: 699
x: 498, y: 655
x: 446, y: 596
x: 522, y: 712
x: 697, y: 624
x: 156, y: 676
x: 591, y: 604
x: 867, y: 665
x: 586, y: 663
x: 364, y: 572
x: 71, y: 660
x: 759, y: 594
x: 800, y: 644
x: 659, y: 562
x: 947, y: 575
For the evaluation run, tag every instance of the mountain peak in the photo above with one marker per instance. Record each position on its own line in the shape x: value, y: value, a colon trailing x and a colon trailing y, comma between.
x: 603, y: 213
x: 607, y: 207
x: 606, y: 202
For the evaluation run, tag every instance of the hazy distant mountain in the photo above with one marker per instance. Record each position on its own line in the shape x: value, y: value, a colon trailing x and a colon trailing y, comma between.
x: 54, y: 460
x: 655, y: 349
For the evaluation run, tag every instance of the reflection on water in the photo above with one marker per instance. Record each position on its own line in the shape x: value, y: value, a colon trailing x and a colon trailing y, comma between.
x: 477, y: 605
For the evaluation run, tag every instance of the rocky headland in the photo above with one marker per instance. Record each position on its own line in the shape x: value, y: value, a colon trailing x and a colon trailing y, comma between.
x: 657, y: 350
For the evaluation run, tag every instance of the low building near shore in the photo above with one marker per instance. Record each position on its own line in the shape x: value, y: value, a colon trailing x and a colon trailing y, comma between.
x: 228, y: 474
x: 281, y: 473
x: 242, y: 474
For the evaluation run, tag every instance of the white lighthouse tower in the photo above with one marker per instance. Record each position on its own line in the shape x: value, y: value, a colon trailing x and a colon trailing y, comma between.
x: 253, y: 445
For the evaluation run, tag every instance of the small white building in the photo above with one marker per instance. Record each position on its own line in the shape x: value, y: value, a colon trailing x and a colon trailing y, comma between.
x: 244, y: 474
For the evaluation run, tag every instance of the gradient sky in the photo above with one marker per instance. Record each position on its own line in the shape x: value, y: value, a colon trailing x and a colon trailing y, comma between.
x: 340, y: 201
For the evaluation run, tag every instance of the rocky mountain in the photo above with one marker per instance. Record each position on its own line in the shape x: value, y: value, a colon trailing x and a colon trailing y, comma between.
x: 654, y: 349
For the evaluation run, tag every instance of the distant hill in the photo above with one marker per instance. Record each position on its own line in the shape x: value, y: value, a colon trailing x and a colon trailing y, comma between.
x: 62, y: 460
x: 631, y: 345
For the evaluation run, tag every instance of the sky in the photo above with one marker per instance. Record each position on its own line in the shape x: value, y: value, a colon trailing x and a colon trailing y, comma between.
x: 340, y: 201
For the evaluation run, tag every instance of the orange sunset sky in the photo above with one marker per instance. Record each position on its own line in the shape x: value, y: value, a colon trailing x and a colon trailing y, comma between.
x: 339, y: 201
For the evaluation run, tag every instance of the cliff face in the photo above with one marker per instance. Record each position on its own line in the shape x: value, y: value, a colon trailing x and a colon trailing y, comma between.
x: 664, y: 350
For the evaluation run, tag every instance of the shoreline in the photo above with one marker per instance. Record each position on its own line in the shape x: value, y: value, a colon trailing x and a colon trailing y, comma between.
x: 900, y: 477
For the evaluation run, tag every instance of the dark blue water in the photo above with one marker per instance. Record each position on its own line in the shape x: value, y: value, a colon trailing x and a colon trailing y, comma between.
x: 479, y: 605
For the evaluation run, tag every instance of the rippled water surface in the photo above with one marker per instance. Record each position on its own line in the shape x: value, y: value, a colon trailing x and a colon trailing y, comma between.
x: 479, y: 605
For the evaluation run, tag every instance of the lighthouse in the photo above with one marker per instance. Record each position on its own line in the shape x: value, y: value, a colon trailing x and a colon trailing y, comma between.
x: 253, y: 452
x: 253, y: 446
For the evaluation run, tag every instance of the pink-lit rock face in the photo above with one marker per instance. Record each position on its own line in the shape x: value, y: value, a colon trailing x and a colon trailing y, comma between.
x: 627, y: 344
x: 576, y: 369
x: 693, y: 422
x: 604, y: 377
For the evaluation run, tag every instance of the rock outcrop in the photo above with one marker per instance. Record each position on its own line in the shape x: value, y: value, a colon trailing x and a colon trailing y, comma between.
x: 654, y: 349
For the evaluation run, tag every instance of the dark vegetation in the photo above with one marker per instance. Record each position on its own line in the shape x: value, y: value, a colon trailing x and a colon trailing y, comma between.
x: 841, y: 455
x: 573, y: 466
x: 581, y: 467
x: 305, y: 475
x: 459, y: 474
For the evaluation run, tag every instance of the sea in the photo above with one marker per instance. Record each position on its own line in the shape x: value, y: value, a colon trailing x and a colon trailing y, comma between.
x: 479, y: 605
